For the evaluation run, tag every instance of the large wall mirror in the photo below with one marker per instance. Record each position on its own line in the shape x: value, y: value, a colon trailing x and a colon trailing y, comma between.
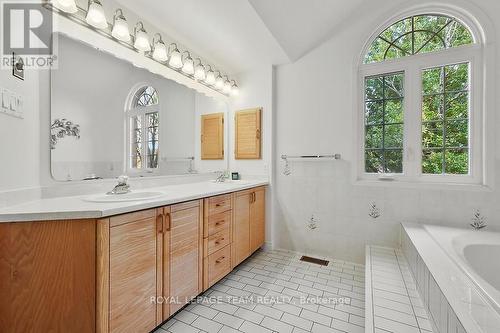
x: 109, y: 117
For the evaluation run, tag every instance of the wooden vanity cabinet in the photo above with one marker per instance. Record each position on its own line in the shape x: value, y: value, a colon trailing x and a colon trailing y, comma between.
x: 47, y: 276
x: 127, y: 272
x: 248, y: 223
x: 185, y: 253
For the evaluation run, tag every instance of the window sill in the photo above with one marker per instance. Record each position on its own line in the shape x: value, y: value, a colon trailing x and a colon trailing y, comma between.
x: 422, y: 185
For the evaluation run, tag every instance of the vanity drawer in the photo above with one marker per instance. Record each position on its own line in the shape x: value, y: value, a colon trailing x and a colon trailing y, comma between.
x: 219, y: 265
x: 219, y: 204
x: 219, y: 222
x: 218, y: 241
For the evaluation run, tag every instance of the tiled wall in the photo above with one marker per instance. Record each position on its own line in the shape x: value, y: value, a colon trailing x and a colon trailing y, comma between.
x: 440, y: 312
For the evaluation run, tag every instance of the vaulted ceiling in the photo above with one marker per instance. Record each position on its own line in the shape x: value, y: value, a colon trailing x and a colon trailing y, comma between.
x: 242, y: 34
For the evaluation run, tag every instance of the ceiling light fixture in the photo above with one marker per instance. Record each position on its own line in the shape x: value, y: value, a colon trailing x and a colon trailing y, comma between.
x: 227, y: 86
x: 210, y: 79
x: 199, y: 71
x: 68, y: 6
x: 141, y: 39
x: 188, y: 66
x: 235, y: 91
x: 119, y: 31
x: 95, y: 15
x: 120, y: 27
x: 175, y: 60
x: 219, y: 81
x: 160, y: 50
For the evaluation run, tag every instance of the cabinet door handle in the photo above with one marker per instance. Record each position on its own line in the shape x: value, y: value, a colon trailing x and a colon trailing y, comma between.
x: 218, y: 261
x: 169, y: 222
x: 159, y: 223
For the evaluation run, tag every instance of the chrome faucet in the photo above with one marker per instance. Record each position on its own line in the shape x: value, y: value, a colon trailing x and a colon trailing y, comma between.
x: 122, y: 187
x: 221, y: 177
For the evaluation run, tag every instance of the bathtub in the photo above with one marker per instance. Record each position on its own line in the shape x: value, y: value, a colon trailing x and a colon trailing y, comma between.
x: 460, y: 266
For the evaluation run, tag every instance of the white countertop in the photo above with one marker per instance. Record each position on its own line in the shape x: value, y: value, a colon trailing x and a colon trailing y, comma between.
x: 75, y: 207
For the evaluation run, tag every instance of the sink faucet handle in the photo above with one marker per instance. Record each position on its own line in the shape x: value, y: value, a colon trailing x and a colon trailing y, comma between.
x: 123, y: 180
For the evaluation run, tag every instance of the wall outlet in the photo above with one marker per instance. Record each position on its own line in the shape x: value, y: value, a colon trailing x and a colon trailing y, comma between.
x: 11, y: 103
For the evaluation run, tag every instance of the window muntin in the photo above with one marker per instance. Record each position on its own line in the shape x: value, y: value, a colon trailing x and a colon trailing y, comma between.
x: 445, y: 119
x: 143, y: 128
x: 384, y: 125
x: 418, y: 34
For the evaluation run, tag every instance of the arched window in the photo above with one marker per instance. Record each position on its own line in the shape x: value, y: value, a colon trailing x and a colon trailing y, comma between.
x: 419, y: 94
x: 143, y: 129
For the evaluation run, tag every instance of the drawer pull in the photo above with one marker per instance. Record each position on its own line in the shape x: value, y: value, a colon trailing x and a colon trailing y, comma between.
x: 217, y: 205
x: 217, y: 242
x: 219, y: 223
x: 218, y: 261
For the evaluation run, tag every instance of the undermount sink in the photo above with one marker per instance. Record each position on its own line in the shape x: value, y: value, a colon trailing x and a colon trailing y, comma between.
x: 132, y: 196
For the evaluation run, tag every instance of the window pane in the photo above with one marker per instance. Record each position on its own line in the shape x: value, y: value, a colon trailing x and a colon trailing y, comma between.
x: 374, y: 88
x: 449, y: 111
x: 432, y: 107
x: 393, y: 136
x: 394, y: 111
x: 373, y: 162
x: 432, y: 161
x: 418, y: 34
x: 374, y: 113
x: 432, y: 81
x: 432, y: 134
x: 384, y: 123
x: 373, y: 136
x: 457, y: 161
x: 457, y: 77
x: 394, y: 161
x: 457, y: 105
x: 457, y: 133
x: 393, y: 86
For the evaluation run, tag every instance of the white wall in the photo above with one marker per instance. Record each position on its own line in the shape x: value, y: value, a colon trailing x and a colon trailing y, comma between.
x: 19, y: 153
x: 315, y: 111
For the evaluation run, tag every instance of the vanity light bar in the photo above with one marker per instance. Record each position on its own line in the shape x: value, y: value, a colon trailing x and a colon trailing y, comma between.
x: 181, y: 61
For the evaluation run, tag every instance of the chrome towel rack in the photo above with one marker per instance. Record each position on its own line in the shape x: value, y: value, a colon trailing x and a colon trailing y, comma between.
x: 333, y: 156
x: 287, y: 170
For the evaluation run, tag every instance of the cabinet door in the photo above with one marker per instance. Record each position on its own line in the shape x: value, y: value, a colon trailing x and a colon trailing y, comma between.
x: 185, y: 256
x: 241, y: 227
x: 212, y: 136
x: 257, y: 219
x: 132, y: 272
x: 47, y: 276
x: 248, y: 134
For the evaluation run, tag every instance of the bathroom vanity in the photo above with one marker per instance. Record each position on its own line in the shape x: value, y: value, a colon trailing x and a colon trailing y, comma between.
x: 87, y: 268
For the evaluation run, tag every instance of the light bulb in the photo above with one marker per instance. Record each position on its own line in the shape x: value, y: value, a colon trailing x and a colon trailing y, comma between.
x: 210, y: 79
x: 188, y: 66
x: 120, y: 27
x: 68, y: 6
x: 199, y: 72
x: 175, y: 58
x: 95, y: 15
x: 160, y: 51
x: 227, y: 87
x: 219, y: 82
x: 235, y: 91
x: 141, y: 42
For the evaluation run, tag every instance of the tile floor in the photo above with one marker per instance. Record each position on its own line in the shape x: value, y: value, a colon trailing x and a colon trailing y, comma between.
x: 395, y: 303
x: 279, y: 276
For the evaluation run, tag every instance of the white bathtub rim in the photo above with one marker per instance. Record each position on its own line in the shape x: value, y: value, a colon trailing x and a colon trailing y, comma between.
x: 454, y: 250
x: 474, y: 317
